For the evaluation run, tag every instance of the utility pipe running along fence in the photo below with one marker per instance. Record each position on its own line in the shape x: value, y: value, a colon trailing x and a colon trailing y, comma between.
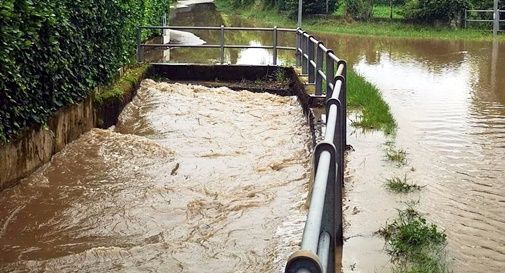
x: 323, y: 232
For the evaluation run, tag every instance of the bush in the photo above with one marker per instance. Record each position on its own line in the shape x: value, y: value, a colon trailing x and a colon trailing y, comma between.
x: 433, y: 11
x: 53, y: 52
x: 359, y: 9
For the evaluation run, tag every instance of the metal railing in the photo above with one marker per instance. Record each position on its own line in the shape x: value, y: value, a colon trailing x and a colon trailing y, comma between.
x: 323, y: 231
x: 478, y: 12
x: 222, y: 45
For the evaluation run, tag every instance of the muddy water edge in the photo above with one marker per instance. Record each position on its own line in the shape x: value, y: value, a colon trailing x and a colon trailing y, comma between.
x: 448, y: 98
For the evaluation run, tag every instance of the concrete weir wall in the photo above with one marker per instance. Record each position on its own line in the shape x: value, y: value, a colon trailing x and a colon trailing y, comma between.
x: 37, y: 144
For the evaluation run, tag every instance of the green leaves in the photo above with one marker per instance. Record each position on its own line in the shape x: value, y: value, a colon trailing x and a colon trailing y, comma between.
x: 52, y: 52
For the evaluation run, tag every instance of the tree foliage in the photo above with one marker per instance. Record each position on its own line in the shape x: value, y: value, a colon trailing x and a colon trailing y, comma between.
x: 53, y: 52
x: 430, y: 11
x: 290, y: 7
x: 359, y: 9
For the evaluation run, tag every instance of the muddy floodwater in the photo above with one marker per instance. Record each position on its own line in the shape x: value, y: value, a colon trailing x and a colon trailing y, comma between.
x: 448, y: 98
x: 192, y: 179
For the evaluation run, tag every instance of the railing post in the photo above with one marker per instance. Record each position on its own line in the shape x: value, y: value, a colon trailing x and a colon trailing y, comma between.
x: 496, y: 18
x: 140, y: 56
x: 339, y: 171
x: 298, y: 42
x: 304, y: 51
x: 274, y: 41
x: 319, y: 66
x: 310, y: 45
x: 343, y: 100
x: 221, y: 41
x: 465, y: 17
x: 330, y: 73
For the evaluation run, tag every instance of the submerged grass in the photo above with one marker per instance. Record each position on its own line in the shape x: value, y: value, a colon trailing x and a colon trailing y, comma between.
x: 401, y: 185
x: 366, y: 97
x: 414, y: 244
x: 397, y: 155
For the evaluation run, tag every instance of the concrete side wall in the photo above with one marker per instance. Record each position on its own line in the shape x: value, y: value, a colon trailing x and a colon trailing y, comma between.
x: 37, y: 144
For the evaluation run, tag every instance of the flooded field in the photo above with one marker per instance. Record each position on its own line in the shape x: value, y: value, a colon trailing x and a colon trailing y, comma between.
x: 449, y: 101
x: 192, y: 179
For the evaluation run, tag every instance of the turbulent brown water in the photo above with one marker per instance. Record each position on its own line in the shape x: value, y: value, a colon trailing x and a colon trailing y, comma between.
x: 192, y: 179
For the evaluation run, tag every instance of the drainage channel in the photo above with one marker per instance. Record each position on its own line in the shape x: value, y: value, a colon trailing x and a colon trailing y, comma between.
x: 190, y: 179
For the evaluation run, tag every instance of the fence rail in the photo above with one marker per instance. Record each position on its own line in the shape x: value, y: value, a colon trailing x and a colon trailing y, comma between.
x: 222, y: 45
x: 495, y: 20
x: 322, y: 233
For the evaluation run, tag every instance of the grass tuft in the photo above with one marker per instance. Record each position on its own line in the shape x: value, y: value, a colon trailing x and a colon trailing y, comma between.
x: 399, y: 156
x: 401, y: 185
x: 414, y: 244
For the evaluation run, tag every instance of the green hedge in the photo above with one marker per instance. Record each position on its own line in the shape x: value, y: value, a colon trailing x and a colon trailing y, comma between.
x: 54, y: 52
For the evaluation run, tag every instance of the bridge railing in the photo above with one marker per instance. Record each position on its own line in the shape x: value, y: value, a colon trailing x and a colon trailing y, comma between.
x: 323, y: 231
x: 222, y: 43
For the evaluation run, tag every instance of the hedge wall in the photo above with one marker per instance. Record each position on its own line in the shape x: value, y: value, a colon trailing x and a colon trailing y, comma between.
x: 54, y: 52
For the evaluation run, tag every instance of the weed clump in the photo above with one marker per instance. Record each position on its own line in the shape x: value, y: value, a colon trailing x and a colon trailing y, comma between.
x: 414, y: 244
x: 401, y: 185
x: 399, y: 156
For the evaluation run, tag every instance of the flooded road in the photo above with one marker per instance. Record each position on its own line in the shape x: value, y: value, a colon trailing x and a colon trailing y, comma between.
x: 192, y: 179
x: 448, y: 98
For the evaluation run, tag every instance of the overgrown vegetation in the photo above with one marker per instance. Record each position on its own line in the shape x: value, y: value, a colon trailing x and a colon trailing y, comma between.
x: 401, y: 185
x: 54, y: 52
x: 380, y: 27
x: 415, y: 245
x: 290, y: 7
x: 126, y: 82
x: 375, y: 113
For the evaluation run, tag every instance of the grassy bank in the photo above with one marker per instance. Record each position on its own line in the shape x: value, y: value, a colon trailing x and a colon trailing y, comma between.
x: 334, y: 24
x: 364, y: 96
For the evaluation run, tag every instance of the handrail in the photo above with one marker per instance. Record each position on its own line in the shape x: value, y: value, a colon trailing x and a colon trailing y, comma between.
x: 275, y: 47
x: 323, y: 231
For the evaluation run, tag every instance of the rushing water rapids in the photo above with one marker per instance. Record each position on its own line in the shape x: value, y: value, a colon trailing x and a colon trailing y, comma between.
x: 192, y: 179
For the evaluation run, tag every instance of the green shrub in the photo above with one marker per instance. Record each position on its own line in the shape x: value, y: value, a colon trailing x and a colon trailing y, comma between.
x: 309, y: 7
x: 358, y: 9
x: 432, y: 11
x: 53, y: 52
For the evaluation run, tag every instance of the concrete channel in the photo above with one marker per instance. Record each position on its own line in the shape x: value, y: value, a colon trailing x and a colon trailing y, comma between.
x: 189, y: 173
